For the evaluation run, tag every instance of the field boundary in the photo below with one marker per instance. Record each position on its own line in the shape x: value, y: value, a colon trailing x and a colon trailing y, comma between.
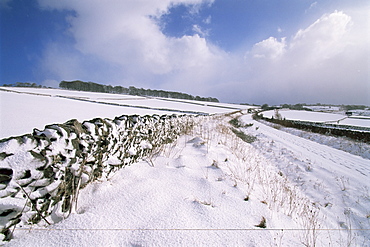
x: 42, y: 173
x: 354, y: 132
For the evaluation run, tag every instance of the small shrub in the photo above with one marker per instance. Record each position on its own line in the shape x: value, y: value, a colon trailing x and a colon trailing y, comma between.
x: 262, y: 224
x: 235, y: 123
x: 243, y: 136
x: 215, y: 164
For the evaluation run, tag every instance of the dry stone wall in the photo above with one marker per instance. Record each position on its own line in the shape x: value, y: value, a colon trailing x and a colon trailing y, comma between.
x: 41, y: 173
x: 357, y: 133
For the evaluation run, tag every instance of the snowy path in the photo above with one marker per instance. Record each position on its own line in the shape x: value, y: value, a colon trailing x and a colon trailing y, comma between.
x: 337, y: 181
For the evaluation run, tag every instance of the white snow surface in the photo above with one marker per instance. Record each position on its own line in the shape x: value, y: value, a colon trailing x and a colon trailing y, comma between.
x: 336, y: 180
x: 210, y: 188
x: 320, y: 117
x: 182, y: 201
x: 23, y: 109
x: 21, y: 113
x: 342, y: 143
x: 305, y: 115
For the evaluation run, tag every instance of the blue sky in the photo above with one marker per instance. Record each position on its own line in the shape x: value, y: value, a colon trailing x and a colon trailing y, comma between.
x: 236, y: 50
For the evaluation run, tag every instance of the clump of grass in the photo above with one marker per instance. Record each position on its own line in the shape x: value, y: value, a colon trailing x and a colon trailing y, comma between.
x: 243, y: 136
x: 343, y: 182
x: 215, y: 164
x: 235, y: 123
x: 275, y: 126
x: 206, y: 203
x: 262, y: 224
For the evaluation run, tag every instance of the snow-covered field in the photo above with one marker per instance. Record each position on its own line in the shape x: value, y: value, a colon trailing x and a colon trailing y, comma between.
x: 210, y: 188
x: 23, y: 109
x: 324, y: 108
x: 342, y: 143
x: 320, y: 117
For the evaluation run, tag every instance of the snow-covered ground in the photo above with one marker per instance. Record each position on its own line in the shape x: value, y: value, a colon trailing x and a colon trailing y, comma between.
x: 69, y: 93
x: 309, y: 116
x: 353, y: 121
x: 118, y: 98
x: 338, y: 109
x: 324, y: 108
x: 210, y: 188
x: 182, y: 201
x: 342, y: 143
x: 335, y: 180
x: 23, y: 109
x: 319, y: 117
x: 21, y: 113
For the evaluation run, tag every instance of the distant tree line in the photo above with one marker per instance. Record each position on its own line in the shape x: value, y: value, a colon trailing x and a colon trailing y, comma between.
x: 355, y: 107
x: 96, y: 87
x: 24, y: 84
x: 299, y: 107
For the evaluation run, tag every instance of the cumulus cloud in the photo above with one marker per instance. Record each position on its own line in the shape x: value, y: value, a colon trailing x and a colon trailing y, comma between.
x: 324, y: 62
x: 121, y: 42
x: 325, y: 37
x: 123, y: 34
x: 269, y: 48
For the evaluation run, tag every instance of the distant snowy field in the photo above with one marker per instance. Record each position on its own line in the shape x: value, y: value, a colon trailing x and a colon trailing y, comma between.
x: 320, y: 117
x: 23, y: 109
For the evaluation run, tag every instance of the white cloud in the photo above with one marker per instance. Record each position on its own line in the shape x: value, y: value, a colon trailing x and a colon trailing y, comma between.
x: 119, y: 42
x: 123, y: 34
x: 196, y: 6
x: 325, y: 37
x: 325, y: 62
x: 197, y: 29
x: 208, y: 20
x: 313, y: 5
x: 269, y: 48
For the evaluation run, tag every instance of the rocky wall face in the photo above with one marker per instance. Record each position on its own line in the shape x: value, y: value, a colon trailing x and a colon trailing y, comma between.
x: 41, y: 173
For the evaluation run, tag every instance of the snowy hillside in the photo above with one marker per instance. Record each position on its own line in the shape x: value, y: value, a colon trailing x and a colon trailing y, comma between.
x: 208, y: 188
x: 23, y: 109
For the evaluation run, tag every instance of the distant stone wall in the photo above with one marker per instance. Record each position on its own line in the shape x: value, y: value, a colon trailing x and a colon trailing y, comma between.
x: 361, y: 134
x: 41, y: 173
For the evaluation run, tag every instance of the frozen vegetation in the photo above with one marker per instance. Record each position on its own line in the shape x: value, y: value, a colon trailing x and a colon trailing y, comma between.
x: 217, y: 184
